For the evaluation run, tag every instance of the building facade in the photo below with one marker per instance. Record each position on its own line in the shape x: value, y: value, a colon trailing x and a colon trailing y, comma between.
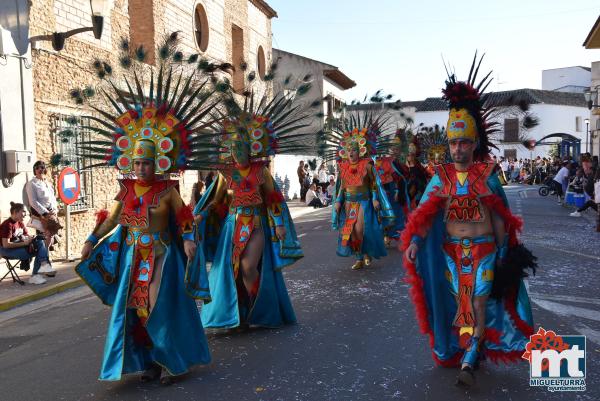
x: 557, y: 112
x: 593, y: 42
x: 568, y: 79
x: 328, y: 84
x: 233, y: 31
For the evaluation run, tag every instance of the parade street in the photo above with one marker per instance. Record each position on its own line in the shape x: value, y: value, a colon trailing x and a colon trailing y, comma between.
x: 356, y: 337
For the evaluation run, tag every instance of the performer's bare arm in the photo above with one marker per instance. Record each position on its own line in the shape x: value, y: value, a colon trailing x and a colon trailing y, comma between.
x: 373, y: 186
x: 104, y: 228
x: 176, y: 204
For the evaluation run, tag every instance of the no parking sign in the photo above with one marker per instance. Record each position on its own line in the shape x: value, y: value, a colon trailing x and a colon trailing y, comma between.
x: 69, y: 185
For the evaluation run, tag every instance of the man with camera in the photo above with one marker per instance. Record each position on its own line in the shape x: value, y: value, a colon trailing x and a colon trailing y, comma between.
x: 17, y: 244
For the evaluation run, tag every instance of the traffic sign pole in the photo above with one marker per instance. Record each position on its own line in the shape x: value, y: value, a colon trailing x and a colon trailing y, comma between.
x: 69, y: 187
x: 67, y: 231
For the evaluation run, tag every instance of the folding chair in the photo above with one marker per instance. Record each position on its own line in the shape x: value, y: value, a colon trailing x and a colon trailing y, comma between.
x: 12, y: 270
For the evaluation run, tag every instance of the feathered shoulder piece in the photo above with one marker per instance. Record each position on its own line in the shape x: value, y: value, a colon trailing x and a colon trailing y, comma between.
x: 159, y: 113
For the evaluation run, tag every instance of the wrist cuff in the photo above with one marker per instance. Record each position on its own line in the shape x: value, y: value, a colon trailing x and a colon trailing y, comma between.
x: 93, y: 239
x: 418, y: 241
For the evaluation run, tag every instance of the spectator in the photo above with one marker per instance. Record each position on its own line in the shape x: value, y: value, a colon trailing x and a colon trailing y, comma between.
x: 209, y: 179
x: 197, y: 190
x: 589, y: 174
x: 505, y: 168
x: 322, y: 196
x: 307, y: 178
x: 301, y: 176
x: 312, y: 199
x: 43, y: 205
x: 323, y: 176
x: 17, y: 244
x: 560, y: 180
x: 331, y: 187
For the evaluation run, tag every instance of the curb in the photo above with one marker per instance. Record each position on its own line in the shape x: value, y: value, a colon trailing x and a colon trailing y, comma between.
x: 76, y: 281
x: 43, y: 293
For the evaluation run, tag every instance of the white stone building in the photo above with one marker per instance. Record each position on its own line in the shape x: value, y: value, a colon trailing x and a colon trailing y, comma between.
x: 558, y: 112
x: 593, y: 42
x: 328, y: 84
x: 568, y: 79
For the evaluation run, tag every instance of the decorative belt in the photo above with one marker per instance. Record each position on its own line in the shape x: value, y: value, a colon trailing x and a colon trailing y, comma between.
x: 146, y: 239
x: 254, y: 210
x: 356, y: 197
x: 468, y: 241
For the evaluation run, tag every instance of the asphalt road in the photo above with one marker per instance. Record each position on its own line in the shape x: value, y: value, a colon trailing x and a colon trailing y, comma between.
x: 356, y: 339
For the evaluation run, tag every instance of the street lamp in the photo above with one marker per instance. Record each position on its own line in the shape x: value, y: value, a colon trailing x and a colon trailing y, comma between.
x: 99, y: 10
x: 591, y: 98
x: 587, y: 133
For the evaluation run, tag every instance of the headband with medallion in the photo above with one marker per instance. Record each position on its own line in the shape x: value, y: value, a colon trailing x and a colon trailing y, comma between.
x: 159, y: 113
x: 471, y: 111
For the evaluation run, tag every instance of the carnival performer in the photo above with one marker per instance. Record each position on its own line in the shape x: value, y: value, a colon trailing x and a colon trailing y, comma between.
x: 392, y: 179
x: 414, y: 171
x: 243, y: 220
x: 435, y: 146
x: 361, y: 207
x: 135, y: 258
x: 477, y: 303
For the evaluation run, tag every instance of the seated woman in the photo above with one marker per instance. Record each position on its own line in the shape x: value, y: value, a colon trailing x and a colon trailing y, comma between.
x: 17, y: 244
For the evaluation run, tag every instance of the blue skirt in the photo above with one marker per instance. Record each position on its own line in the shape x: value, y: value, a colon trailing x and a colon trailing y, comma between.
x: 272, y: 306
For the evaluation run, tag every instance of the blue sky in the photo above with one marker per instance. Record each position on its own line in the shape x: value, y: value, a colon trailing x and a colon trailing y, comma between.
x: 398, y: 45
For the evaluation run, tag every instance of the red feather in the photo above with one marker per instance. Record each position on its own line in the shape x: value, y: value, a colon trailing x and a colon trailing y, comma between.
x: 184, y: 215
x: 101, y: 215
x: 273, y: 198
x: 221, y: 210
x: 419, y: 221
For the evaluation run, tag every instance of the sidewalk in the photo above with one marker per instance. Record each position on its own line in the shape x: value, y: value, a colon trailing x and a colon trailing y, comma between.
x: 13, y: 294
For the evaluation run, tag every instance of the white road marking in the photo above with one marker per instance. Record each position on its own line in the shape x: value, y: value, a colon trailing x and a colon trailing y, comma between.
x: 551, y: 297
x: 583, y: 255
x: 317, y: 227
x: 301, y: 235
x: 590, y: 334
x: 568, y: 310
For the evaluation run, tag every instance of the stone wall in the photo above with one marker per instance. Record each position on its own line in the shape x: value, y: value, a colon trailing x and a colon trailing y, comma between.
x: 55, y: 73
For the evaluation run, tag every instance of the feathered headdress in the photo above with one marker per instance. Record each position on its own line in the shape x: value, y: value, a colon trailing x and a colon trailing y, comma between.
x: 367, y: 128
x: 268, y: 124
x: 472, y: 114
x: 157, y: 113
x: 434, y: 143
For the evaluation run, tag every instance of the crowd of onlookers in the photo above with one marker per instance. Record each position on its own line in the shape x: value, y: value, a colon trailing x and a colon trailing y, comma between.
x: 316, y: 187
x: 528, y: 171
x: 17, y: 239
x: 580, y: 178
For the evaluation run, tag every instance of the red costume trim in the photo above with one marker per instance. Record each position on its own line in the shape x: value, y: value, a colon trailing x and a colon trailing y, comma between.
x: 273, y: 198
x: 419, y: 222
x: 352, y: 175
x: 101, y: 216
x: 185, y: 219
